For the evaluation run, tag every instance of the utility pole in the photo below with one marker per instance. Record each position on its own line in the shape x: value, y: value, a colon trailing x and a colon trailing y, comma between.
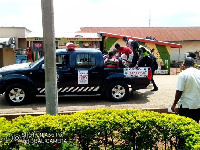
x: 149, y: 18
x: 51, y: 93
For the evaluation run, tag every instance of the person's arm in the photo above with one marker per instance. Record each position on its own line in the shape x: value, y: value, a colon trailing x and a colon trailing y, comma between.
x: 117, y: 62
x: 120, y: 54
x: 177, y: 97
x: 127, y: 54
x: 140, y: 58
x: 105, y: 60
x: 179, y: 90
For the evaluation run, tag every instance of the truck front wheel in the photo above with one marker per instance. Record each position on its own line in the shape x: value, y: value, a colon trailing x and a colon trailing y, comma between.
x: 118, y: 91
x: 16, y: 94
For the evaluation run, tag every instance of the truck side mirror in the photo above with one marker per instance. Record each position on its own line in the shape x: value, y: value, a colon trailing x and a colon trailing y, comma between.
x: 43, y: 67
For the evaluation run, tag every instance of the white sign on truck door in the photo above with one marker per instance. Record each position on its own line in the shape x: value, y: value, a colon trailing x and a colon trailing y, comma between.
x: 83, y: 77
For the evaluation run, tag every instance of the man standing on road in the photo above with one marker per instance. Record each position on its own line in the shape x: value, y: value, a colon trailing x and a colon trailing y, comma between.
x: 188, y: 91
x: 144, y: 58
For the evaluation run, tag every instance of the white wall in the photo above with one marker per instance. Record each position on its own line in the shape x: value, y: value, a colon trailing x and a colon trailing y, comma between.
x: 191, y: 46
x: 7, y: 32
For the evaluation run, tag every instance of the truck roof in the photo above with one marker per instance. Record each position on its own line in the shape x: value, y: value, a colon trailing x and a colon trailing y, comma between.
x: 79, y: 50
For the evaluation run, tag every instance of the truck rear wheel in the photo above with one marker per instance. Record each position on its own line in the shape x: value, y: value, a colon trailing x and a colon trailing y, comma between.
x: 118, y: 91
x: 16, y: 94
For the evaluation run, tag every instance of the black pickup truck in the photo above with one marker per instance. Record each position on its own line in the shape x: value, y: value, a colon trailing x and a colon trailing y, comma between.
x: 79, y: 73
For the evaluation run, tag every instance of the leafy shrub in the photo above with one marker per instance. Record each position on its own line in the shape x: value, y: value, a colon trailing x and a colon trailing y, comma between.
x: 101, y: 129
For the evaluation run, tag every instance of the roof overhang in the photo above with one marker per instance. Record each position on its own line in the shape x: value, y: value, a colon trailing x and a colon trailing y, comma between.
x: 64, y: 39
x: 172, y: 45
x: 67, y: 37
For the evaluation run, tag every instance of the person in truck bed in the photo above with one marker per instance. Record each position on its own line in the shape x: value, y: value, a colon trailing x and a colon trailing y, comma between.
x: 111, y: 61
x: 125, y: 53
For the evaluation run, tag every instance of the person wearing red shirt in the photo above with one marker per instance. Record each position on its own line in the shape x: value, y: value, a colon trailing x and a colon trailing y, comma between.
x: 125, y: 53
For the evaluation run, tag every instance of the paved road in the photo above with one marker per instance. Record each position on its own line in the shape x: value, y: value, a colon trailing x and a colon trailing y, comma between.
x: 140, y: 99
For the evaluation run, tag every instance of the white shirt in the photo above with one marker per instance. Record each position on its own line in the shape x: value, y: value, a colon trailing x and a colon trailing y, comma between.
x: 189, y: 83
x: 128, y: 44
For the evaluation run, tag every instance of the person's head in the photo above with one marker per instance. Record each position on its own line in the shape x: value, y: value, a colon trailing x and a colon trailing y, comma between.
x: 115, y: 51
x: 125, y: 38
x: 191, y: 54
x: 117, y: 46
x: 189, y: 62
x: 110, y: 54
x: 135, y: 44
x: 105, y: 52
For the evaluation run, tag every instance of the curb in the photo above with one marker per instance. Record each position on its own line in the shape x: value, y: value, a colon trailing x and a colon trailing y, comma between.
x: 13, y: 116
x: 160, y: 110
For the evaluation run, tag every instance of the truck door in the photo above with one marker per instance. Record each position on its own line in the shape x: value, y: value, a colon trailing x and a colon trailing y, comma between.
x: 65, y: 73
x: 78, y: 75
x: 88, y: 72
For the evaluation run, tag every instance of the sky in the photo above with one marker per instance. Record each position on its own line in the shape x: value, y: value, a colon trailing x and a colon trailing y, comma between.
x: 70, y: 15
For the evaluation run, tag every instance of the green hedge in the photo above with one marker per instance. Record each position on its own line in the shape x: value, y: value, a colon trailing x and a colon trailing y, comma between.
x: 101, y: 129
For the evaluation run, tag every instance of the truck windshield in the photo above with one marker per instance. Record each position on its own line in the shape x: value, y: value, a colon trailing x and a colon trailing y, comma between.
x: 33, y: 64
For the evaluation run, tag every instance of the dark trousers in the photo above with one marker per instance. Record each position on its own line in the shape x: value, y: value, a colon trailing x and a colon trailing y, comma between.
x: 146, y: 61
x: 152, y: 80
x: 191, y: 113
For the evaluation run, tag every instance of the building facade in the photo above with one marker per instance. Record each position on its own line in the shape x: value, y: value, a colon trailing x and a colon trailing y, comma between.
x: 188, y: 37
x: 86, y: 40
x: 18, y: 34
x: 11, y: 39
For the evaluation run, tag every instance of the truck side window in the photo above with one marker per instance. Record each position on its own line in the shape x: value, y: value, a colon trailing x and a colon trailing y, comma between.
x: 85, y: 60
x: 62, y: 61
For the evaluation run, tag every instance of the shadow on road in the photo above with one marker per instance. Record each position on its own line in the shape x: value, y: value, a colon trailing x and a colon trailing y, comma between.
x: 140, y: 97
x: 137, y: 97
